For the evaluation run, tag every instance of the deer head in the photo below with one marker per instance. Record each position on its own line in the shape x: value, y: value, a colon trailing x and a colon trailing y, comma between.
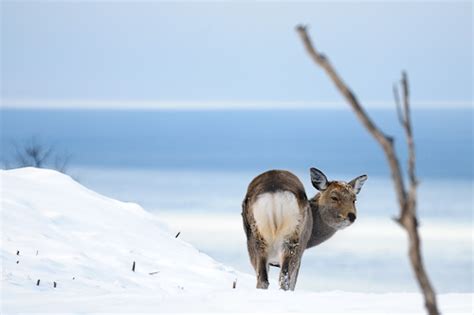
x: 336, y: 199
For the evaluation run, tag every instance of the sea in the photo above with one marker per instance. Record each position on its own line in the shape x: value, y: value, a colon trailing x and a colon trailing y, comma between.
x: 192, y: 168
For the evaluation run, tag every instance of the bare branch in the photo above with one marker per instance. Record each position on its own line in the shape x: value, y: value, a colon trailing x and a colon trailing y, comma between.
x: 20, y: 157
x: 398, y: 106
x: 409, y: 131
x: 35, y: 153
x: 61, y: 163
x: 408, y: 215
x: 407, y: 202
x: 385, y: 141
x: 43, y: 155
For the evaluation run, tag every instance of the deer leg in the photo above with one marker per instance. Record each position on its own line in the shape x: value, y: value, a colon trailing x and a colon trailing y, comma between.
x: 258, y: 256
x: 294, y: 273
x: 262, y: 273
x: 290, y: 264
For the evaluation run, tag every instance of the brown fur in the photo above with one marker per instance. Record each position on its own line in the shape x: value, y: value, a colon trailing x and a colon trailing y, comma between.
x: 273, y: 181
x: 318, y: 219
x: 294, y: 245
x: 344, y: 193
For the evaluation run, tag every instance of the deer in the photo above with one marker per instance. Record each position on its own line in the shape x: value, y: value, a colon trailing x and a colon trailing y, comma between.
x: 280, y: 223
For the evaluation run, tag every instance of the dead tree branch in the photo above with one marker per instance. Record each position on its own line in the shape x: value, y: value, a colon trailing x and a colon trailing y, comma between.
x: 406, y: 199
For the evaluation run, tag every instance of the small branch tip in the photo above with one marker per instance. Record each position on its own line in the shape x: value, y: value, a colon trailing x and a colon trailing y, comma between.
x: 301, y: 28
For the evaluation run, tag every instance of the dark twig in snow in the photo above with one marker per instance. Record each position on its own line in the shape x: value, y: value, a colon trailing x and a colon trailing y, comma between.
x: 234, y: 284
x: 133, y: 267
x: 54, y: 284
x: 153, y: 272
x: 177, y: 234
x: 38, y: 282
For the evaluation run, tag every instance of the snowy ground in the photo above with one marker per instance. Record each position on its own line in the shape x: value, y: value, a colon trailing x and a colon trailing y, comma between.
x: 56, y: 231
x: 370, y: 256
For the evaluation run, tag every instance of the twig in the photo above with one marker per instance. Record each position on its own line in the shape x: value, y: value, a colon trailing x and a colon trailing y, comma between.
x: 234, y: 284
x: 176, y: 236
x: 153, y: 272
x: 396, y: 97
x: 407, y: 202
x: 133, y: 267
x: 409, y: 134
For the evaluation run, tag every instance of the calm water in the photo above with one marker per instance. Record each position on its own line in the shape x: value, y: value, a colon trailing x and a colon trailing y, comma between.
x: 192, y: 169
x: 332, y: 140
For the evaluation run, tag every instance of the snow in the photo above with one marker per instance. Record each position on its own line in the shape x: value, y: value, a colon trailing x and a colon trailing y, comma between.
x: 86, y: 243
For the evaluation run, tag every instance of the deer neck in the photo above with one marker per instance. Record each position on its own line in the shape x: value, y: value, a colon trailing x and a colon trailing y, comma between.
x: 320, y: 231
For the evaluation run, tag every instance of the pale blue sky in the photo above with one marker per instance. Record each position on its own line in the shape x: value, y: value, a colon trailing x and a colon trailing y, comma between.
x: 237, y: 52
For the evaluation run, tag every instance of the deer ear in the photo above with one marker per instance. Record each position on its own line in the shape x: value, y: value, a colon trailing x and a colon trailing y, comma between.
x: 318, y: 179
x: 357, y: 183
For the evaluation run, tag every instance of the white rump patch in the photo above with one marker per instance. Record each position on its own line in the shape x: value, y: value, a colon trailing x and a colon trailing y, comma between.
x: 277, y: 215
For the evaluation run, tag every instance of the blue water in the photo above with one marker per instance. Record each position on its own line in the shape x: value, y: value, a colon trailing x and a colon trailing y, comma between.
x: 332, y: 140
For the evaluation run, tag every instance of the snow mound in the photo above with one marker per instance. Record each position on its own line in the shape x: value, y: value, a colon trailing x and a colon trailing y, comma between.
x: 56, y: 231
x: 66, y: 248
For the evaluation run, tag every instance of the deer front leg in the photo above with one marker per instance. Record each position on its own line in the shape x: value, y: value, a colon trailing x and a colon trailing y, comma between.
x: 290, y: 264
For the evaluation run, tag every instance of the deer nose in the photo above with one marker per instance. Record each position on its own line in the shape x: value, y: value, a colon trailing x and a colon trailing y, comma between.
x: 351, y: 216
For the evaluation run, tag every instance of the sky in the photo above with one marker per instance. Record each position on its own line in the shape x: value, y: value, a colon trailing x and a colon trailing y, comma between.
x: 233, y: 54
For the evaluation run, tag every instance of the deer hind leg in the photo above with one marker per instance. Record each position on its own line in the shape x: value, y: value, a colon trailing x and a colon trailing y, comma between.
x: 261, y: 262
x: 262, y: 273
x: 290, y: 264
x: 258, y: 256
x: 257, y: 252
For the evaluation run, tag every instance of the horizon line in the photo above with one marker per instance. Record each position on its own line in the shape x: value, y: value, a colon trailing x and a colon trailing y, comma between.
x: 183, y: 105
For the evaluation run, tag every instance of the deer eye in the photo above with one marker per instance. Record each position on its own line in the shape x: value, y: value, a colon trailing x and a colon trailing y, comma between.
x: 334, y: 198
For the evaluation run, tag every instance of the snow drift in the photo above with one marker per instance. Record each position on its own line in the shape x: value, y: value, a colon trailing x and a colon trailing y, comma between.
x: 66, y: 248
